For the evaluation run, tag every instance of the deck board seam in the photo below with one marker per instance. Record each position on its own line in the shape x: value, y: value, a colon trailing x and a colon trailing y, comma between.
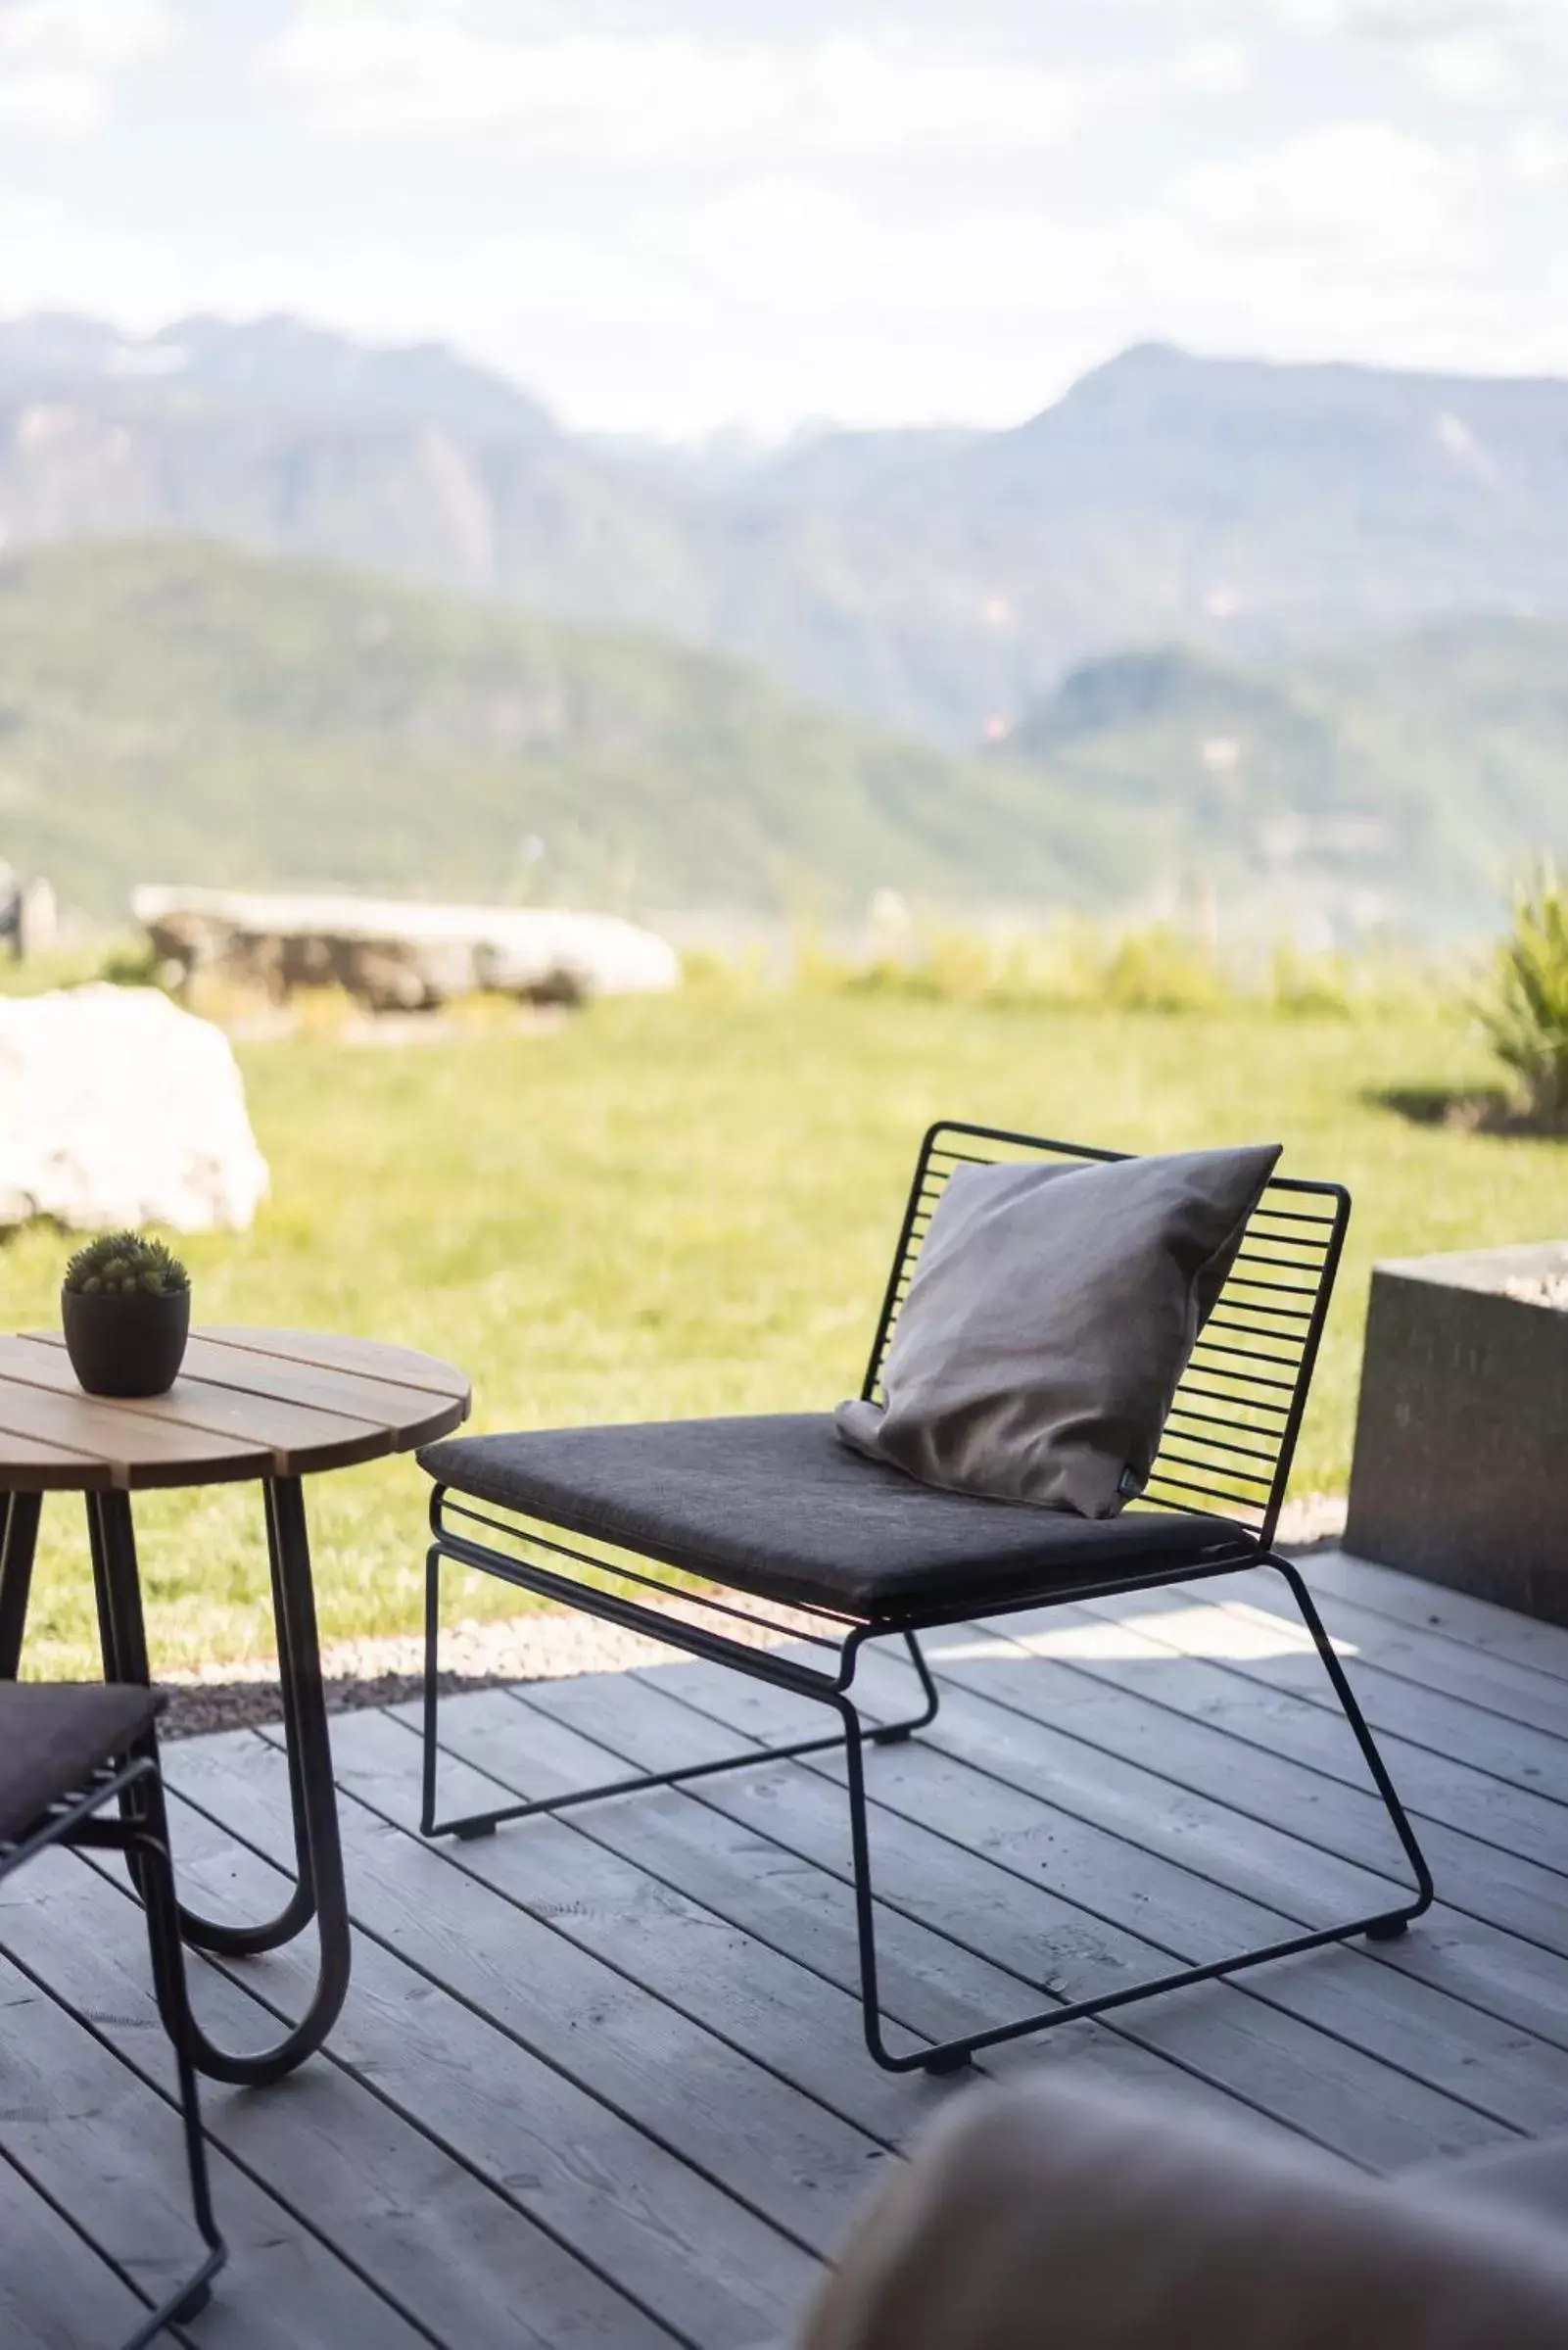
x: 1554, y: 1636
x: 1245, y: 1983
x: 1136, y: 1843
x: 103, y: 1866
x: 1295, y: 1762
x: 1373, y: 1668
x: 1108, y: 2024
x: 1376, y: 1666
x: 539, y: 2054
x: 1333, y: 1604
x: 1389, y: 1741
x: 70, y: 2221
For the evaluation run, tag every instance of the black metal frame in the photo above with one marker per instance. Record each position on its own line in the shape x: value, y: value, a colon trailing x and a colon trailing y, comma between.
x: 1256, y: 1410
x: 141, y: 1833
x: 319, y: 1892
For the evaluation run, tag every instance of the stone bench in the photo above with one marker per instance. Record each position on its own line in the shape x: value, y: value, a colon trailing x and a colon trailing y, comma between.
x: 399, y: 957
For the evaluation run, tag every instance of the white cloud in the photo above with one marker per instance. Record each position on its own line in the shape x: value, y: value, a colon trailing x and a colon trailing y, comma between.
x: 666, y: 214
x: 1501, y: 70
x: 1216, y: 69
x: 1362, y: 192
x: 659, y: 95
x: 1538, y: 155
x: 59, y: 59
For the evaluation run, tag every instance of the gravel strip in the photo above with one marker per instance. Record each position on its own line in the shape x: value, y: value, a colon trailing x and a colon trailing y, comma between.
x: 543, y: 1646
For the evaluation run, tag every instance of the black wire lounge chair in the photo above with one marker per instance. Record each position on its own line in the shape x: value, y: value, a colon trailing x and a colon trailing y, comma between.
x: 68, y: 1751
x: 776, y: 1509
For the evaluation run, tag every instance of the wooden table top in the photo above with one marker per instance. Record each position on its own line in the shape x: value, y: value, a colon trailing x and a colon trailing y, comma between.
x: 247, y: 1404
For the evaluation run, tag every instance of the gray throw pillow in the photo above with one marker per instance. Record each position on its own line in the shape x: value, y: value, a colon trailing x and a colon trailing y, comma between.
x: 1051, y: 1314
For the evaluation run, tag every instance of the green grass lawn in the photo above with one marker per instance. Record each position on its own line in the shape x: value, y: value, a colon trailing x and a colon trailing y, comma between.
x: 687, y: 1206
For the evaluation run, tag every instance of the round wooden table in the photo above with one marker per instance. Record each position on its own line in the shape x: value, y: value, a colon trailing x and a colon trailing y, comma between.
x: 268, y: 1405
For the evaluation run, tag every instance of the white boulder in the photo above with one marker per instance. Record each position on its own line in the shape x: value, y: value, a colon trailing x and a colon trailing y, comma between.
x: 117, y: 1108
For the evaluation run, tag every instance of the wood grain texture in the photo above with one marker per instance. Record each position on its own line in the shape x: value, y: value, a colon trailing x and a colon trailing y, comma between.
x: 56, y: 2291
x: 445, y: 2247
x: 105, y: 2145
x: 333, y: 1350
x: 238, y: 1411
x: 600, y: 2084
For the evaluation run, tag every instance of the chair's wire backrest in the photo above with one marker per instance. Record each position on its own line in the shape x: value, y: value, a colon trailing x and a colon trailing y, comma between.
x: 1231, y: 1434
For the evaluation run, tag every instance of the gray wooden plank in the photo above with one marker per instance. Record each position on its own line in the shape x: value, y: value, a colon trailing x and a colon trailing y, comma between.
x: 1430, y: 1659
x: 709, y: 2270
x: 806, y: 2014
x: 775, y: 2148
x: 610, y: 1903
x: 1256, y: 1643
x: 1433, y: 1782
x: 101, y: 2141
x: 1489, y: 2008
x: 990, y: 1879
x: 1435, y: 2031
x: 56, y: 2291
x: 786, y: 1904
x: 459, y: 2257
x: 1476, y: 1625
x: 1506, y: 1976
x: 1268, y: 1756
x: 674, y: 2129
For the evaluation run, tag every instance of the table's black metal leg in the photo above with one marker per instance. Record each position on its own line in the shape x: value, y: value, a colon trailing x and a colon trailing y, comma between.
x: 19, y: 1539
x: 122, y: 1639
x: 320, y: 1891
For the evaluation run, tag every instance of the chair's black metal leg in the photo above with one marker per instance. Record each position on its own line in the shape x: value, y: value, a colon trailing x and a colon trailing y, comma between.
x: 1387, y: 1927
x: 892, y: 1734
x: 950, y: 2059
x: 320, y: 1891
x: 472, y: 1825
x: 169, y: 1978
x: 17, y: 1543
x: 950, y: 2055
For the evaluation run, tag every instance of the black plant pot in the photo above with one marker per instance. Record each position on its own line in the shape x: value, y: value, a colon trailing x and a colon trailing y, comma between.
x: 125, y: 1345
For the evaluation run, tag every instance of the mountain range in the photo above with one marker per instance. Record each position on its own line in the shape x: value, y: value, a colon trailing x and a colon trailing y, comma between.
x: 941, y: 583
x: 175, y: 709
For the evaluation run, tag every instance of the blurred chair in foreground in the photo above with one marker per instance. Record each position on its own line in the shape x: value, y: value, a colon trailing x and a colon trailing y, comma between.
x: 1084, y: 2220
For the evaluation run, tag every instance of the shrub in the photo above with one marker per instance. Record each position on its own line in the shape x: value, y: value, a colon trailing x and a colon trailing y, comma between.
x: 1524, y: 1010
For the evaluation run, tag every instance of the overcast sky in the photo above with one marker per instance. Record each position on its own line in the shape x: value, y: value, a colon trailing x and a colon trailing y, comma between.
x: 668, y: 215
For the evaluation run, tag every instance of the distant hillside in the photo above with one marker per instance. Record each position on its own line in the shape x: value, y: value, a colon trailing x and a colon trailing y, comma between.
x: 930, y: 580
x: 1410, y: 772
x: 175, y: 710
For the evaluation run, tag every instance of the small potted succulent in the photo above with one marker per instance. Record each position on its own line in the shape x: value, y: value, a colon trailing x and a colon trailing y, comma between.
x: 126, y: 1308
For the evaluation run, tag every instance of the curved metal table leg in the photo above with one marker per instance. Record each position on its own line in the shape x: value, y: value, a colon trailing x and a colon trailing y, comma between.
x: 318, y: 1890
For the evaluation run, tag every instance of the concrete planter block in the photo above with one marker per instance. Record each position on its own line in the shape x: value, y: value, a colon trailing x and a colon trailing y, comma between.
x: 1461, y: 1441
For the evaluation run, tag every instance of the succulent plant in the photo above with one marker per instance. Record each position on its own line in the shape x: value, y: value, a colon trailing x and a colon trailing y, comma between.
x: 124, y: 1265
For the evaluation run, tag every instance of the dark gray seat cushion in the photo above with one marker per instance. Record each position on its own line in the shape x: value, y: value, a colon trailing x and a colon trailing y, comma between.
x: 53, y: 1737
x: 777, y: 1505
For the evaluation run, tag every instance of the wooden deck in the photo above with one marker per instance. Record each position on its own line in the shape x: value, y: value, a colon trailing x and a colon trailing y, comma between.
x: 600, y: 2084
